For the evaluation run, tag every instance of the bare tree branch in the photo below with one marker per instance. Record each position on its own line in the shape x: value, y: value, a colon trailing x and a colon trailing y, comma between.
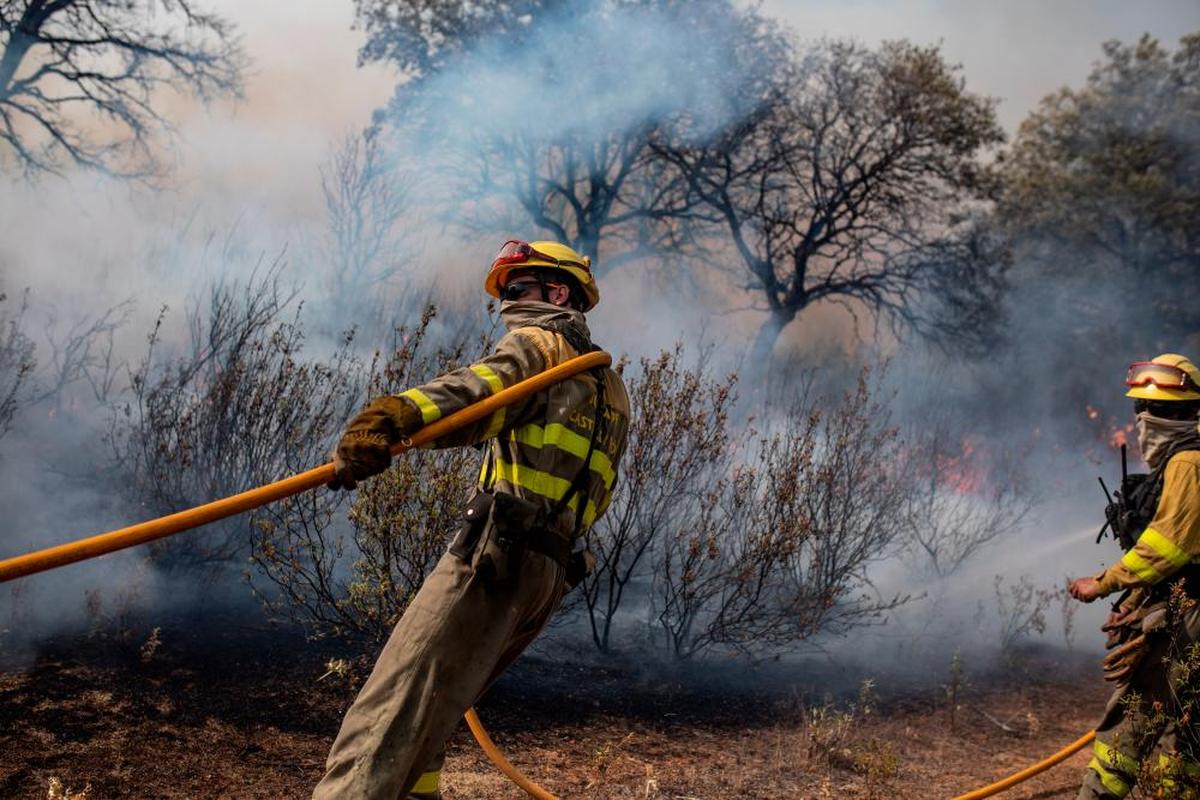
x: 79, y: 79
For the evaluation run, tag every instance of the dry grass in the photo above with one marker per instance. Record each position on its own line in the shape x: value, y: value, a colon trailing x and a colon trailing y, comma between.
x: 248, y: 719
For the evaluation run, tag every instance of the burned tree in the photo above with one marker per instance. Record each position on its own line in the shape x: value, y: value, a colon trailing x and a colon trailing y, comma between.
x: 1101, y: 200
x: 421, y: 38
x: 63, y: 59
x: 857, y: 186
x: 366, y: 197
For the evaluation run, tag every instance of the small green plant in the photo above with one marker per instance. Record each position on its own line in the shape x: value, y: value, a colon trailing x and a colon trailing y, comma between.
x: 831, y: 736
x: 151, y: 646
x: 955, y: 686
x: 1021, y: 608
x: 604, y: 757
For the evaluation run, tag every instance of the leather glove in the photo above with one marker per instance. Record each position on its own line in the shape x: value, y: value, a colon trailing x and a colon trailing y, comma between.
x: 359, y: 456
x: 365, y: 448
x: 1120, y: 663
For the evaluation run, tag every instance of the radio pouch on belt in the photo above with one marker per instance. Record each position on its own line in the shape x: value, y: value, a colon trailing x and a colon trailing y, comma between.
x: 474, y: 520
x: 506, y: 539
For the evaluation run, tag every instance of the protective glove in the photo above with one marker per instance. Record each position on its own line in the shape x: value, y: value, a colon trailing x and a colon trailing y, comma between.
x: 365, y: 448
x: 1120, y: 663
x: 359, y: 456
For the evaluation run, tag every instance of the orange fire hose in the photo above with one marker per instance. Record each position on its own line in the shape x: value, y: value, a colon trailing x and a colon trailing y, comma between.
x: 501, y: 763
x: 42, y: 560
x: 1029, y: 772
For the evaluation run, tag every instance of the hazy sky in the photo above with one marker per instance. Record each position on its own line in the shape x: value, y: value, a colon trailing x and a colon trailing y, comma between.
x: 1015, y: 50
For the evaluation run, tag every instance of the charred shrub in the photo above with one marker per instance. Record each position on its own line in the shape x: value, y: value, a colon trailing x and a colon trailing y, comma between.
x: 16, y: 361
x: 355, y: 578
x: 234, y: 407
x: 679, y: 439
x: 780, y: 546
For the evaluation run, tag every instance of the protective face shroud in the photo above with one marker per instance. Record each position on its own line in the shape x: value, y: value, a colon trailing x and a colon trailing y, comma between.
x: 551, y: 256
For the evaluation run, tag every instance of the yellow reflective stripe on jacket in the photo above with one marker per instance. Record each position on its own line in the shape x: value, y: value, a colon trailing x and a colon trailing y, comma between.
x: 1112, y: 781
x: 558, y: 435
x: 1114, y: 758
x: 428, y: 783
x: 495, y: 384
x: 429, y: 410
x: 1177, y: 763
x: 1141, y: 567
x: 1164, y: 547
x: 541, y: 483
x: 489, y: 375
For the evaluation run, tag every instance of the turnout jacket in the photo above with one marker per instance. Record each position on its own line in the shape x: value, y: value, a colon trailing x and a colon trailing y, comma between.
x: 538, y: 445
x: 1172, y: 539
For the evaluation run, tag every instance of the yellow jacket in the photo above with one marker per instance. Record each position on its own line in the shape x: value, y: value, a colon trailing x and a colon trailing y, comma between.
x: 1172, y: 539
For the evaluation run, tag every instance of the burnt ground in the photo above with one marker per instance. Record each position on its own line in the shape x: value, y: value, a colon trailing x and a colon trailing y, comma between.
x: 234, y: 711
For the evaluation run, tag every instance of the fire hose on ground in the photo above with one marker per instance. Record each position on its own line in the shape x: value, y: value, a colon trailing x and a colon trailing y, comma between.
x: 152, y: 530
x: 1029, y: 772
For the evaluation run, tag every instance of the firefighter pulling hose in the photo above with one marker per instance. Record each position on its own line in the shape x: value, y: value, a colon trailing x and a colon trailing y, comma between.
x: 555, y: 437
x: 548, y: 474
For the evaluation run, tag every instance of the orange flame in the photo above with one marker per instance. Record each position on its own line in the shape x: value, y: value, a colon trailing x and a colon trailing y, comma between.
x: 961, y: 472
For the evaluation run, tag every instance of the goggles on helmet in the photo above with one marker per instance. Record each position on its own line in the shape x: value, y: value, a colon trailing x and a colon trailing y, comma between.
x: 1148, y: 373
x: 515, y: 251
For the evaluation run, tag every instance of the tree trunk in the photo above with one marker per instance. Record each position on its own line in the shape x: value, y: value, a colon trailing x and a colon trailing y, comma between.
x: 767, y: 337
x: 19, y: 43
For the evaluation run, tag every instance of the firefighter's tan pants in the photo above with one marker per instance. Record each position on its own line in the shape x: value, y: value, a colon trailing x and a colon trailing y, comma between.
x: 455, y: 638
x: 1132, y: 728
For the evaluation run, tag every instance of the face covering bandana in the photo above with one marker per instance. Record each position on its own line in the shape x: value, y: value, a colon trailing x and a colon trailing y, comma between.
x: 1156, y: 435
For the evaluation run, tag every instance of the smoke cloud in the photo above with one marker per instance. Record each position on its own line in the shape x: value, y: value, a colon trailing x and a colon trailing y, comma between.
x: 248, y: 190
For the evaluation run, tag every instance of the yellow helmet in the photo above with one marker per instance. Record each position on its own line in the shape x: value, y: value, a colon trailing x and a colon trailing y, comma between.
x: 1166, y: 377
x: 515, y: 254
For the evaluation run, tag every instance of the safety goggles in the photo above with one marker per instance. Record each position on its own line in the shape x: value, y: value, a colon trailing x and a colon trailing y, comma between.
x: 1147, y: 373
x: 515, y: 251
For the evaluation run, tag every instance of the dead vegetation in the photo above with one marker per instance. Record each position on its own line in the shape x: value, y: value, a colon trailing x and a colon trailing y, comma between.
x: 223, y: 711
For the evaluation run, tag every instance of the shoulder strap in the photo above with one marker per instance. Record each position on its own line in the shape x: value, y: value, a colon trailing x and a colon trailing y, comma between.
x: 578, y: 487
x: 572, y: 333
x: 489, y: 468
x: 1150, y: 491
